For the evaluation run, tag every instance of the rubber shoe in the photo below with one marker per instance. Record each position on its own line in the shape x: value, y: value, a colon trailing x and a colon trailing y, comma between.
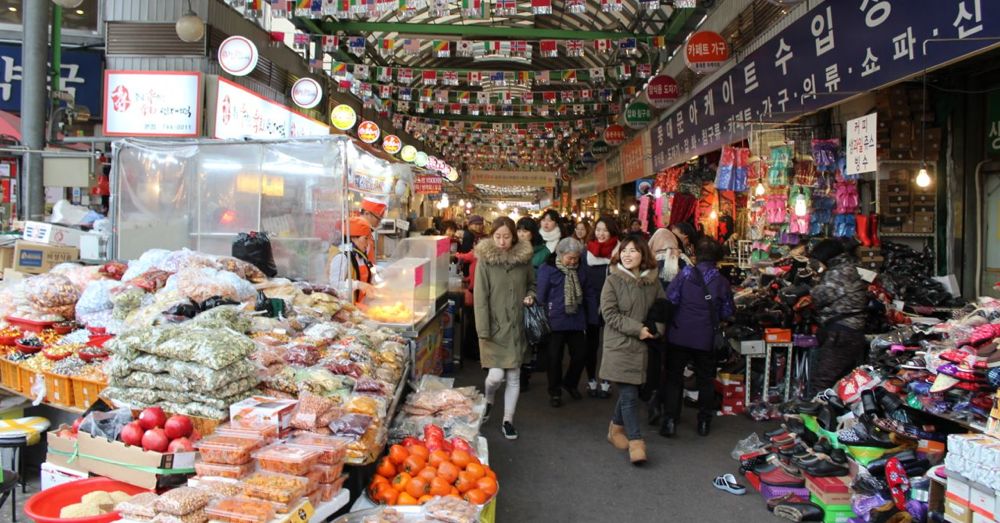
x: 508, y: 430
x: 728, y: 483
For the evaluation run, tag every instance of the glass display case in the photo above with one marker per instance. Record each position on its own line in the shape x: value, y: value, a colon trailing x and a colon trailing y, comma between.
x: 403, y: 297
x: 437, y: 250
x: 201, y: 194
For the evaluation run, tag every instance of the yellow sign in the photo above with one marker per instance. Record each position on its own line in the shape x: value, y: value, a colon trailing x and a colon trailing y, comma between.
x: 343, y: 117
x: 409, y: 153
x: 514, y: 178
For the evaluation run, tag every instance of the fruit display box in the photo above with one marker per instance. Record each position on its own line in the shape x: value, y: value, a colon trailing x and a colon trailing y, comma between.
x: 116, y: 460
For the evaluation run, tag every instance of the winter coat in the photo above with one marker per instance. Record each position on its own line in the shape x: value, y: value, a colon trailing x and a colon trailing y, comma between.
x: 552, y: 296
x: 503, y: 280
x: 841, y: 292
x: 691, y: 326
x: 625, y: 302
x: 541, y: 254
x: 596, y: 270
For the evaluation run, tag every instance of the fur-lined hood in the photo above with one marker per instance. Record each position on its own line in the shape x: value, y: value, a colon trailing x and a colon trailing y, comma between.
x: 648, y: 277
x: 487, y: 252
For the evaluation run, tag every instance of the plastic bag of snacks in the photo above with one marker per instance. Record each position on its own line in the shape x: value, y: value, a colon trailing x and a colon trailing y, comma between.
x: 203, y: 283
x: 52, y: 294
x: 182, y: 501
x: 140, y: 505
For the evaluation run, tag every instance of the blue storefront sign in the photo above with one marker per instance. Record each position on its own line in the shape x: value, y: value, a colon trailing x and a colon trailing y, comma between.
x: 82, y: 73
x: 837, y: 50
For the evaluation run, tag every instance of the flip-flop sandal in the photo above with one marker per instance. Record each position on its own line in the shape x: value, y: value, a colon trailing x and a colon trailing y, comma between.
x: 728, y: 483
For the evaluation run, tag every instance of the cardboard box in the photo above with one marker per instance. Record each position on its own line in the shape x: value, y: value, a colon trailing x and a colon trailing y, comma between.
x: 830, y: 491
x: 54, y: 475
x: 264, y: 410
x: 778, y: 335
x: 955, y: 512
x: 750, y: 347
x: 125, y: 463
x: 36, y: 258
x: 959, y: 489
x: 900, y: 175
x: 982, y: 500
x: 6, y: 257
x: 901, y: 154
x: 899, y: 199
x: 51, y: 234
x: 903, y: 209
x: 925, y: 208
x: 728, y: 378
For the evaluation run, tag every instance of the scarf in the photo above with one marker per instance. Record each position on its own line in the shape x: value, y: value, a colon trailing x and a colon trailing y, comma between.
x: 571, y: 287
x: 551, y: 238
x: 602, y: 249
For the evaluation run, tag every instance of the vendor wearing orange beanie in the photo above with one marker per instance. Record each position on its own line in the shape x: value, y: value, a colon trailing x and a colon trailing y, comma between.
x: 372, y: 211
x: 354, y: 264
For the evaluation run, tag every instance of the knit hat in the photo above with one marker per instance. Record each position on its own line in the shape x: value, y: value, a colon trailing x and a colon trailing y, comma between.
x: 358, y: 226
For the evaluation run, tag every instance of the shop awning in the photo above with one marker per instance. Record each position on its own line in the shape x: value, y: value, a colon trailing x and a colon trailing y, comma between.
x: 10, y: 125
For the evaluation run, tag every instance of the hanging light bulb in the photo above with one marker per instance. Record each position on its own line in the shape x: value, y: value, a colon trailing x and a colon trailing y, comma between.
x: 461, y: 202
x: 631, y: 208
x: 923, y: 179
x: 468, y: 205
x: 189, y: 27
x: 502, y: 206
x: 801, y: 206
x: 760, y: 189
x: 658, y: 193
x: 713, y: 215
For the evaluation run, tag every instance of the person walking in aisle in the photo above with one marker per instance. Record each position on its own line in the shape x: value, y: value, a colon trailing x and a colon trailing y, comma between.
x: 701, y: 298
x: 505, y: 283
x: 601, y: 245
x: 840, y: 300
x: 466, y: 257
x: 560, y: 291
x: 527, y: 231
x: 670, y: 259
x: 582, y: 231
x: 629, y: 293
x: 549, y: 229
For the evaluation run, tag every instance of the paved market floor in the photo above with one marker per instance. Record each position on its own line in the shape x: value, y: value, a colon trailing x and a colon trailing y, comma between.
x: 562, y: 469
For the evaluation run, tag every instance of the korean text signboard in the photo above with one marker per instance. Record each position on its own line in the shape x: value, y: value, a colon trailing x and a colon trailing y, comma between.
x: 513, y: 178
x: 427, y: 184
x: 705, y: 52
x: 662, y: 91
x: 993, y: 125
x: 81, y: 77
x: 241, y: 113
x: 835, y: 51
x: 600, y: 174
x: 614, y: 168
x: 636, y: 158
x: 152, y: 103
x: 861, y: 147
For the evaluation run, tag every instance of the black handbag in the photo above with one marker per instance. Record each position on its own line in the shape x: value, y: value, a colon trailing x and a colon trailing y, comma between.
x: 720, y: 345
x: 536, y: 323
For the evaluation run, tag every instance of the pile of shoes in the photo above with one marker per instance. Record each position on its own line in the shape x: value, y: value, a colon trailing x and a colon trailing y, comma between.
x: 907, y: 275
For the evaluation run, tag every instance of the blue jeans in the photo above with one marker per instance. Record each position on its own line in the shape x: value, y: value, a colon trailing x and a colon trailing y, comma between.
x: 627, y: 410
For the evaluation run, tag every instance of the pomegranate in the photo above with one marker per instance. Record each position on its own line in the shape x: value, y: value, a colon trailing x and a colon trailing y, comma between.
x: 180, y: 445
x: 155, y: 440
x: 152, y: 417
x: 178, y: 427
x: 132, y: 434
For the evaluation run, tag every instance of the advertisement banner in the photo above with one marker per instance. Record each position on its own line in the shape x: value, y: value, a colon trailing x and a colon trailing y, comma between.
x: 614, y: 168
x: 636, y: 161
x: 81, y: 74
x: 240, y: 113
x: 835, y: 51
x: 513, y: 178
x: 861, y: 146
x: 427, y: 184
x: 152, y: 103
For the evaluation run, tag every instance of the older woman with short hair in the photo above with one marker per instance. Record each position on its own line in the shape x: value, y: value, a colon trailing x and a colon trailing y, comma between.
x: 560, y: 289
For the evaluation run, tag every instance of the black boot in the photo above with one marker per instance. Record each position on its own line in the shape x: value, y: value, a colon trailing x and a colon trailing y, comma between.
x: 704, y: 425
x: 668, y: 429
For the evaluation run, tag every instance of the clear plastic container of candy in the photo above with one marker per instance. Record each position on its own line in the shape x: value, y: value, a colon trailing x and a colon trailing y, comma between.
x: 228, y: 450
x: 287, y: 459
x: 271, y: 486
x: 330, y: 490
x: 328, y: 473
x: 218, y: 470
x: 239, y: 509
x: 334, y: 449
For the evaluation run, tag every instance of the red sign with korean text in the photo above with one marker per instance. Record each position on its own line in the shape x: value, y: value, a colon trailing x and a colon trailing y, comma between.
x: 614, y: 135
x: 427, y: 184
x: 705, y: 51
x: 662, y: 91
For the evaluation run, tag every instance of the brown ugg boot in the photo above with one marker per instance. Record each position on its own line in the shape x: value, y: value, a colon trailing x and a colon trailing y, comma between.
x: 616, y: 436
x: 637, y: 451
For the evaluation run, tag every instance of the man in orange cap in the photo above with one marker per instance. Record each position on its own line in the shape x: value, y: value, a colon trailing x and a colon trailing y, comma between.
x: 372, y: 211
x: 354, y: 263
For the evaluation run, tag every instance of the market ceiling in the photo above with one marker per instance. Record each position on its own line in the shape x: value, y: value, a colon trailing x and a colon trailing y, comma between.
x: 564, y: 76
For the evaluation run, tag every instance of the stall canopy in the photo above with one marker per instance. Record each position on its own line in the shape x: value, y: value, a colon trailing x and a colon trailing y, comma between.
x: 10, y: 126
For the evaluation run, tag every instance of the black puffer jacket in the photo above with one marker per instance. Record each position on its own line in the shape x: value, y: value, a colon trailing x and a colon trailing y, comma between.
x: 841, y: 295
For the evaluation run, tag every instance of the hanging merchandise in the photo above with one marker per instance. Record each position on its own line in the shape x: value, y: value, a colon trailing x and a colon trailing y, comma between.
x: 825, y: 154
x: 847, y: 197
x: 733, y: 169
x: 845, y: 226
x: 777, y: 209
x: 800, y: 218
x: 682, y: 208
x: 822, y: 214
x: 788, y: 237
x: 781, y: 162
x: 805, y: 173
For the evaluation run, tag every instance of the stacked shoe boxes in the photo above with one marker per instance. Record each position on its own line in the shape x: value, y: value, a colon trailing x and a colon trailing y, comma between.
x: 973, y: 465
x: 732, y: 389
x: 905, y: 206
x: 833, y: 495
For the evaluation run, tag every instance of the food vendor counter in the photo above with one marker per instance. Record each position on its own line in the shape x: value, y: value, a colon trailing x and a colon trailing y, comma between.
x: 429, y: 340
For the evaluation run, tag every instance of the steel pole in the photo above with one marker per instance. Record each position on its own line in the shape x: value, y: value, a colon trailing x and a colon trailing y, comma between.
x: 34, y: 102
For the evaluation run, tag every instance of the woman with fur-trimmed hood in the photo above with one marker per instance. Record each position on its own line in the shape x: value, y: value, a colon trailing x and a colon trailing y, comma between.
x: 505, y: 284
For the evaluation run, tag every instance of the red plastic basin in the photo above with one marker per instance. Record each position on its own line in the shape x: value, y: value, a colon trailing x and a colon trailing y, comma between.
x: 44, y: 507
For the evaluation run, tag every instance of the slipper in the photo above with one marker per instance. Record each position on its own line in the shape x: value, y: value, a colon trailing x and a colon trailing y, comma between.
x: 729, y: 484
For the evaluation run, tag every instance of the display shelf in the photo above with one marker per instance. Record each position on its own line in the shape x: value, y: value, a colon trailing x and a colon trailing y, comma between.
x: 905, y: 235
x: 66, y: 408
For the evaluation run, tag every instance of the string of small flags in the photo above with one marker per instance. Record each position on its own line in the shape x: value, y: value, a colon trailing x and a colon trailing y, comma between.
x: 345, y: 9
x: 405, y: 76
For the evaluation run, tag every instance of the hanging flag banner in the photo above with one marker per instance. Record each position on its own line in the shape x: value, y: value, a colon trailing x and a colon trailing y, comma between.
x: 541, y: 7
x: 574, y: 48
x: 705, y: 52
x: 662, y: 91
x: 638, y: 115
x: 614, y: 134
x: 356, y: 45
